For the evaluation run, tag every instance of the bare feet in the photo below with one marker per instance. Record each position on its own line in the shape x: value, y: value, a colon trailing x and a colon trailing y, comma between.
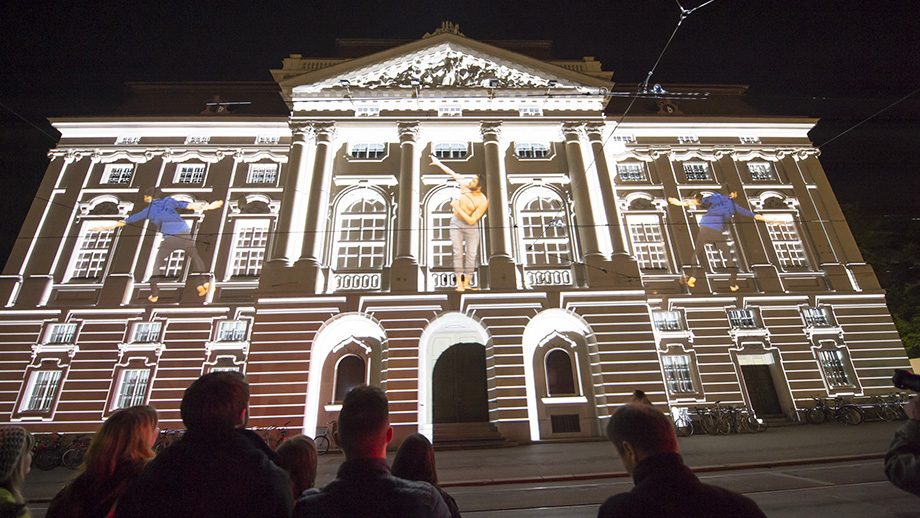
x: 153, y: 298
x: 734, y: 287
x: 204, y: 289
x: 691, y: 281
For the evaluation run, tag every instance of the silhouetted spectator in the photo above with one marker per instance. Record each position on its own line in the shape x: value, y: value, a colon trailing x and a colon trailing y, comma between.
x: 364, y: 485
x: 118, y: 452
x: 647, y: 444
x: 15, y: 461
x: 640, y: 397
x: 902, y: 462
x: 217, y: 468
x: 415, y: 461
x: 298, y: 457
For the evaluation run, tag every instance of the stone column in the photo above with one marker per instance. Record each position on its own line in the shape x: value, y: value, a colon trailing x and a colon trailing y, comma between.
x: 502, y: 271
x: 404, y: 274
x: 287, y: 239
x: 598, y: 269
x: 625, y: 266
x: 318, y: 203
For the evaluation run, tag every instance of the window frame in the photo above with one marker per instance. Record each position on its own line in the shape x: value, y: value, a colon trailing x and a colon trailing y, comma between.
x: 531, y: 150
x: 50, y: 394
x: 758, y: 176
x: 120, y: 399
x: 451, y: 150
x: 124, y: 177
x: 252, y: 174
x: 346, y: 201
x: 335, y: 375
x: 236, y: 335
x: 450, y: 110
x: 253, y: 266
x: 743, y: 318
x: 624, y: 166
x: 181, y: 169
x: 661, y: 261
x: 785, y: 248
x: 689, y: 173
x: 530, y: 247
x: 96, y: 255
x: 668, y: 321
x: 367, y: 150
x: 572, y: 371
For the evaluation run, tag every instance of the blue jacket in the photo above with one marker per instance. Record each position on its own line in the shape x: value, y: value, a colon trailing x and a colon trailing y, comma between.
x: 721, y: 209
x: 162, y: 213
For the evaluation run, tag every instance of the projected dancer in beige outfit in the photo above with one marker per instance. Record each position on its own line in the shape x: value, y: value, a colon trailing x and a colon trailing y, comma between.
x: 464, y: 233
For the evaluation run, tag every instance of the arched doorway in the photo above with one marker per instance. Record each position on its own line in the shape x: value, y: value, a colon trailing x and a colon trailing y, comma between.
x: 459, y: 387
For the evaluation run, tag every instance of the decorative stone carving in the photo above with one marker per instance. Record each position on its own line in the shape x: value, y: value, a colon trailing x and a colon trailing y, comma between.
x: 573, y: 130
x: 408, y: 131
x: 304, y: 129
x: 491, y: 131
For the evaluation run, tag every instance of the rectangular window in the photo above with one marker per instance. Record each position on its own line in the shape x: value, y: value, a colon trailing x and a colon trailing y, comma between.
x: 747, y: 139
x: 530, y: 111
x: 647, y: 240
x: 696, y: 171
x: 742, y: 319
x: 262, y: 173
x: 531, y: 150
x: 92, y: 251
x: 132, y: 389
x: 231, y: 331
x: 371, y: 150
x: 439, y: 238
x: 834, y: 370
x: 688, y: 139
x: 450, y: 150
x: 678, y: 373
x: 367, y: 111
x: 760, y: 171
x: 544, y: 231
x: 41, y: 390
x: 786, y: 242
x: 816, y: 317
x: 128, y: 140
x: 197, y: 139
x: 118, y: 173
x: 146, y: 332
x: 266, y: 139
x: 717, y: 260
x: 61, y: 333
x: 249, y: 248
x: 190, y: 173
x: 667, y: 320
x: 631, y: 172
x: 623, y: 138
x: 450, y: 111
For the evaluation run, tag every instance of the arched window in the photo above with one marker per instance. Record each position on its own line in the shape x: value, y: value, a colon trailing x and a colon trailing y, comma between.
x: 543, y: 228
x: 349, y: 373
x: 560, y: 379
x: 361, y: 228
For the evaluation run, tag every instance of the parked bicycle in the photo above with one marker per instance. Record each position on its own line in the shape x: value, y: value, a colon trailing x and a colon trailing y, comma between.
x: 48, y: 450
x: 165, y: 439
x: 273, y: 435
x: 682, y: 421
x: 76, y: 451
x: 886, y: 407
x: 324, y: 439
x: 841, y: 410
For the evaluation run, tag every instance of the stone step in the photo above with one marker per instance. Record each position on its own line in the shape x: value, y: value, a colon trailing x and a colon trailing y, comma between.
x: 461, y: 436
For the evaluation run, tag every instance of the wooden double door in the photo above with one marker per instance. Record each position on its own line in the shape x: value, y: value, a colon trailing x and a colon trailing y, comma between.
x: 459, y: 385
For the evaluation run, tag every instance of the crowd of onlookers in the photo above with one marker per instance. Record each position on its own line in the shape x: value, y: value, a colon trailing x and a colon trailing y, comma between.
x: 221, y: 469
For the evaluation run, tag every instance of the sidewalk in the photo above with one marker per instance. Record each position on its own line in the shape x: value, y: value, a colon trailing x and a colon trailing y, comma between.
x: 597, y: 459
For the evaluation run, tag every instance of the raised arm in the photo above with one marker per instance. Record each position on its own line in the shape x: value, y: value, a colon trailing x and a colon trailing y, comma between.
x: 206, y: 206
x: 765, y: 219
x: 684, y: 203
x: 435, y: 161
x: 109, y: 227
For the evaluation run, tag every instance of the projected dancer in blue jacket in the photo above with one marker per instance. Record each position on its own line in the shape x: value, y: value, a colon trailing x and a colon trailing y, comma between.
x: 719, y: 210
x: 161, y: 211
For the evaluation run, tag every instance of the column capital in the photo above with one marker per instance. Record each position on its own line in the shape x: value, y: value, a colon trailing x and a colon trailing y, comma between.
x: 594, y: 127
x: 304, y: 130
x: 573, y: 130
x: 491, y: 131
x: 324, y: 131
x: 408, y: 131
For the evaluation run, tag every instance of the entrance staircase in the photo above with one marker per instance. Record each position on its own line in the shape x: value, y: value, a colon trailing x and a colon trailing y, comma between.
x: 468, y: 436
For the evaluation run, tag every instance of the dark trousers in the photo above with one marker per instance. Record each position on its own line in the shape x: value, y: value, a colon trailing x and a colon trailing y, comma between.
x: 181, y: 241
x: 720, y: 241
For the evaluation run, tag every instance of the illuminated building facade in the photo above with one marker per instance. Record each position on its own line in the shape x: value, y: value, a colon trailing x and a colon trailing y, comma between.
x: 331, y: 258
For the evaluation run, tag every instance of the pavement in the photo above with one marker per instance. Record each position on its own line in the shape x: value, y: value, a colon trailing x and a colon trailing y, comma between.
x: 544, y: 462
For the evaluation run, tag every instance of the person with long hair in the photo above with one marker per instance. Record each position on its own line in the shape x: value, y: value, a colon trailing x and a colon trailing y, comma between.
x: 15, y: 460
x: 117, y: 454
x: 415, y: 461
x: 298, y: 458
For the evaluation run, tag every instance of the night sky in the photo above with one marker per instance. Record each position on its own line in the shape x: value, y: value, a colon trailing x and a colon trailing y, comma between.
x: 840, y: 61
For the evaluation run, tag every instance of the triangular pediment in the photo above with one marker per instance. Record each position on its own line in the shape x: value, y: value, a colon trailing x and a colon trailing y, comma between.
x: 442, y: 61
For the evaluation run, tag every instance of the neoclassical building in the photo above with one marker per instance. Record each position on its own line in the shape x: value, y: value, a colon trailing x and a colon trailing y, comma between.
x: 331, y: 259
